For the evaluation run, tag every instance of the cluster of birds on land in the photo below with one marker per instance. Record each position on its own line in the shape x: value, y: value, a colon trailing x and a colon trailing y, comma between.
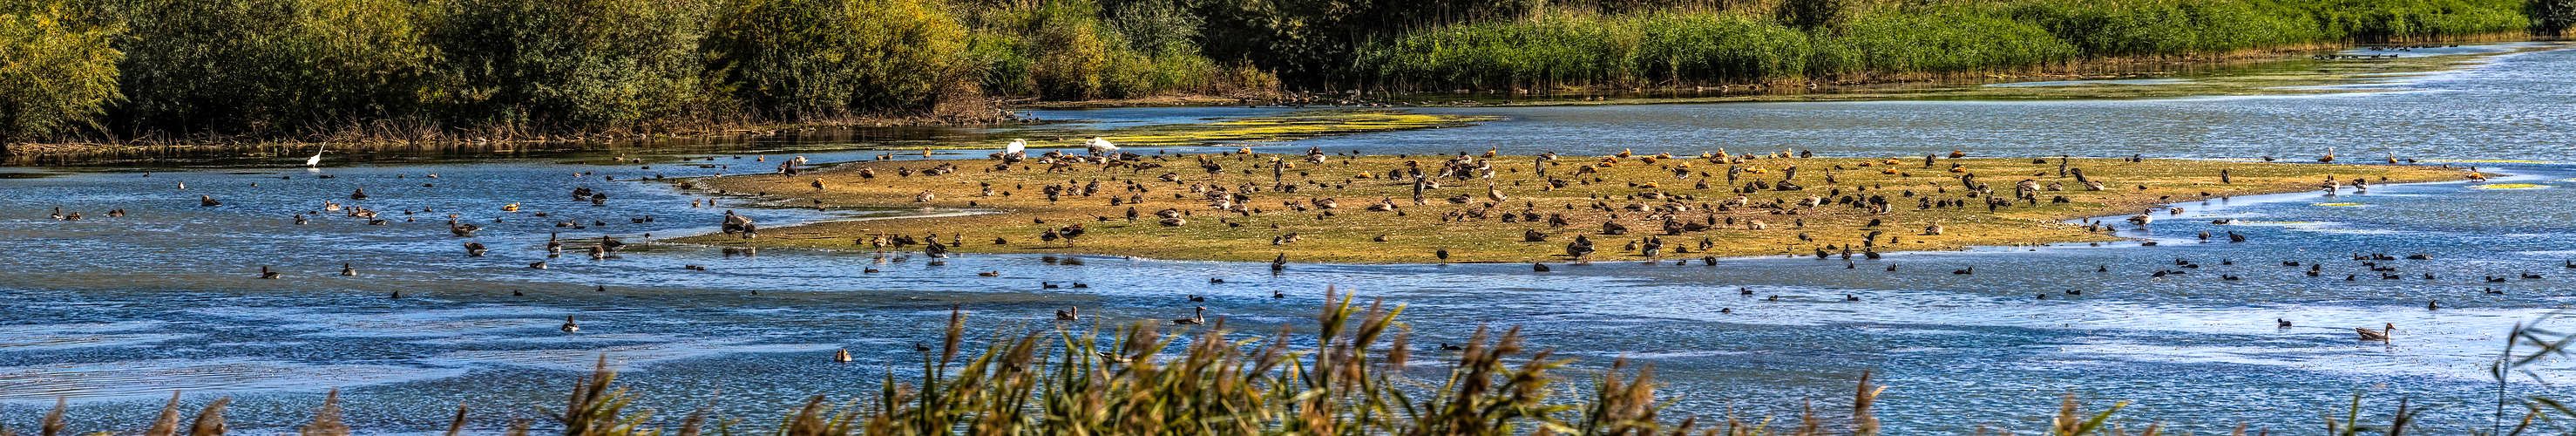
x: 1463, y: 167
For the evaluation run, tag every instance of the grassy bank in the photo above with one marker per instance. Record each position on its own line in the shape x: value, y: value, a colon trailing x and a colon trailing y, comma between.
x: 1352, y: 373
x: 1228, y: 206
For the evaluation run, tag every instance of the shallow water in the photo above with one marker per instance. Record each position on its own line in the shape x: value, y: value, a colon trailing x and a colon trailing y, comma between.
x: 114, y: 314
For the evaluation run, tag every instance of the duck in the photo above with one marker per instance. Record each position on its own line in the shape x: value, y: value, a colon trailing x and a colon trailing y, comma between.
x: 461, y: 229
x: 1538, y: 267
x: 1965, y: 271
x: 569, y: 326
x: 1444, y: 346
x: 208, y: 201
x: 349, y: 271
x: 475, y: 249
x: 1197, y: 316
x: 265, y: 273
x: 842, y: 356
x: 2376, y: 335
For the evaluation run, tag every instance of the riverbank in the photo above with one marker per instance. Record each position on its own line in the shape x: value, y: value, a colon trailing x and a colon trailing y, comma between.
x: 1362, y: 210
x: 2246, y: 72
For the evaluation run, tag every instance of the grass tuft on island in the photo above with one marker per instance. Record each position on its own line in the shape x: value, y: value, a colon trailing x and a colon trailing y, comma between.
x: 1241, y: 206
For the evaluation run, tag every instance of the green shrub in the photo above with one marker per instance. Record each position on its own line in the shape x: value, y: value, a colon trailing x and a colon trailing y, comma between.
x: 571, y: 64
x: 269, y: 65
x: 53, y: 77
x: 806, y: 58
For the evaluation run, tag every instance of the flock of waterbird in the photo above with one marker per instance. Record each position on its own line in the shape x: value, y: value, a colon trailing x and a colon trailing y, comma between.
x: 2379, y: 265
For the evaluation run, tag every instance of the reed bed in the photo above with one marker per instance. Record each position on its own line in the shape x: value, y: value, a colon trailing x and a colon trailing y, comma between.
x: 1346, y: 377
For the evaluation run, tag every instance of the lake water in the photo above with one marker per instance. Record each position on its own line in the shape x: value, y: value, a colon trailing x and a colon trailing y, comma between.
x: 114, y: 314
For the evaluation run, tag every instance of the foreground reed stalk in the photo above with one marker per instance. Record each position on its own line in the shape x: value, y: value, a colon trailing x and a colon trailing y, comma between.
x: 1351, y: 380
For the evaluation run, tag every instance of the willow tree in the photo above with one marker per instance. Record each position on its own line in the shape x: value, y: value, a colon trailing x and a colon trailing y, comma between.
x: 53, y: 77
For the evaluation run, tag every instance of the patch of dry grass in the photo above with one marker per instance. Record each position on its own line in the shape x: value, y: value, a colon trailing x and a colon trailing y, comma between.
x: 1277, y: 196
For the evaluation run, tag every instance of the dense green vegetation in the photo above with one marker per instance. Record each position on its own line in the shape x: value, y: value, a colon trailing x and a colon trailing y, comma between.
x: 431, y: 69
x: 52, y: 77
x: 1845, y: 39
x: 185, y: 70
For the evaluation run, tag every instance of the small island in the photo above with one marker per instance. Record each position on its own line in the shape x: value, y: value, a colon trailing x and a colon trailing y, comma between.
x: 1483, y: 207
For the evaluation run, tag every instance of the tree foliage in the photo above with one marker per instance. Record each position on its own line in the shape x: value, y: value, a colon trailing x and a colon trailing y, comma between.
x: 807, y: 58
x: 268, y: 65
x: 54, y: 77
x: 580, y: 63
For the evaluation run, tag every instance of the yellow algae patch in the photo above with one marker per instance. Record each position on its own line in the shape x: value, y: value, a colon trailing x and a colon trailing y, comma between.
x: 2456, y: 161
x: 2508, y: 186
x: 1232, y: 206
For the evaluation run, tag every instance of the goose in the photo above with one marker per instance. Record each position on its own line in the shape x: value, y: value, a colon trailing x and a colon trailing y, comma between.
x: 2285, y: 323
x: 842, y: 356
x: 2433, y: 305
x: 348, y: 271
x: 460, y: 229
x: 1444, y: 346
x: 265, y: 273
x: 1279, y: 263
x: 1538, y: 267
x: 208, y: 201
x: 360, y: 194
x: 537, y: 265
x: 1068, y: 314
x: 2329, y: 158
x: 1197, y: 316
x: 569, y: 327
x: 1965, y: 271
x: 1196, y: 298
x: 475, y: 249
x: 2376, y: 335
x: 1278, y: 294
x: 58, y: 213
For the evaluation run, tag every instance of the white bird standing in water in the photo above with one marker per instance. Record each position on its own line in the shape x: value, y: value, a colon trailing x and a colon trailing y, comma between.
x: 316, y: 160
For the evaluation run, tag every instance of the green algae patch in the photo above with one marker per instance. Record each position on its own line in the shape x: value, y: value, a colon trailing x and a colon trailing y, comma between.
x: 1230, y: 206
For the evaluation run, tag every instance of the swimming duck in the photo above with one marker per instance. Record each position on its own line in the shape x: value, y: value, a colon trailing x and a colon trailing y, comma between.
x: 569, y: 326
x: 1197, y: 316
x: 2376, y: 335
